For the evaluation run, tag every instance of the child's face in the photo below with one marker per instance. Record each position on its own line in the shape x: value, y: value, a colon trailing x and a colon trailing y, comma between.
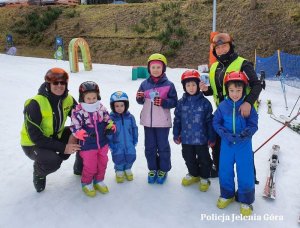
x: 119, y: 107
x: 235, y: 92
x: 90, y: 98
x: 156, y: 69
x: 191, y: 87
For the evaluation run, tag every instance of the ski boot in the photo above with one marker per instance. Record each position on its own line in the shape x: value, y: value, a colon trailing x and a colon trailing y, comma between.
x: 246, y: 210
x: 101, y: 187
x: 189, y: 180
x: 120, y: 176
x: 39, y: 182
x: 222, y: 202
x: 88, y: 189
x: 161, y: 177
x: 204, y: 185
x: 152, y: 176
x: 129, y: 174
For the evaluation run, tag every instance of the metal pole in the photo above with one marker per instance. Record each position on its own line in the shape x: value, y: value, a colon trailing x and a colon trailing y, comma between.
x: 214, y: 15
x: 294, y: 106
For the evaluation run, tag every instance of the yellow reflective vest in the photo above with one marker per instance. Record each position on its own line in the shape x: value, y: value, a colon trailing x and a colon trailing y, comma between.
x: 46, y: 125
x: 236, y: 65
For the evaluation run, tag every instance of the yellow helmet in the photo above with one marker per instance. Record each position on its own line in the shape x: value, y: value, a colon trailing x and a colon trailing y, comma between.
x: 158, y: 57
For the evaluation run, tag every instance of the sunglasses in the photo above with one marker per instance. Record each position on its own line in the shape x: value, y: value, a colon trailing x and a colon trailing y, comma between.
x: 59, y: 82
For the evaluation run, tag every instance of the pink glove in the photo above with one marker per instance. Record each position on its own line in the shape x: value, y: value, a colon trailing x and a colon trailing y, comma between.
x: 81, y: 134
x: 211, y: 144
x: 114, y: 128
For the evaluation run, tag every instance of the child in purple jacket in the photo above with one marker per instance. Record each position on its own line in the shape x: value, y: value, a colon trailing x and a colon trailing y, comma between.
x: 157, y: 95
x: 90, y: 124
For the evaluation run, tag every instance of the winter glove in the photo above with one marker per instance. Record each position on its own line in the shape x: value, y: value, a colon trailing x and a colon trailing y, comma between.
x: 245, y: 134
x: 158, y: 101
x: 110, y: 128
x: 140, y: 94
x: 211, y: 144
x: 81, y: 134
x: 230, y: 137
x: 177, y: 140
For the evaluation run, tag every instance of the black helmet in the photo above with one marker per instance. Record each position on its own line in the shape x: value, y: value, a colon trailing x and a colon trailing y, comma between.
x: 88, y: 86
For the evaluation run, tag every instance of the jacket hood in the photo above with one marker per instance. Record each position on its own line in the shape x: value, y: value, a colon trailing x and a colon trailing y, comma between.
x: 237, y: 104
x: 227, y: 58
x: 117, y: 115
x: 162, y: 79
x: 193, y: 97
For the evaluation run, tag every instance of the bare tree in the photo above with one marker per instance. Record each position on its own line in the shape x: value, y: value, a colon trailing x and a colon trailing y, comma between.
x: 253, y: 4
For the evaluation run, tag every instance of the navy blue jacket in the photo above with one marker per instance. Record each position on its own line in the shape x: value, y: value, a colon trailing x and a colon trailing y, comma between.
x: 193, y: 120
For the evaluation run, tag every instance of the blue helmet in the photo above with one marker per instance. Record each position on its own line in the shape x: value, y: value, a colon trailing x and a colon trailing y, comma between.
x: 119, y: 96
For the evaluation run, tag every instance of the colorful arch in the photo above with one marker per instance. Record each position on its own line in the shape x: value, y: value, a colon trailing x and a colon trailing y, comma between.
x: 73, y: 54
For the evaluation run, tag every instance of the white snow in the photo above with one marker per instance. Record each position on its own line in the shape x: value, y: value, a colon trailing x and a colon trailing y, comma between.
x: 133, y: 204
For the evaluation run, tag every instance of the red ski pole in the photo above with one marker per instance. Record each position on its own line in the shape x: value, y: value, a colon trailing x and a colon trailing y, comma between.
x: 286, y: 124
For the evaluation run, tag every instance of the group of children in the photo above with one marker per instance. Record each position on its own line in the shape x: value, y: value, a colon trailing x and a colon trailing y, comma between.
x: 195, y: 127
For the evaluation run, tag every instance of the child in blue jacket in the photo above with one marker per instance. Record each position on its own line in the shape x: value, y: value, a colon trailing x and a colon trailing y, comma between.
x: 157, y: 95
x: 236, y: 145
x: 122, y: 143
x: 193, y: 128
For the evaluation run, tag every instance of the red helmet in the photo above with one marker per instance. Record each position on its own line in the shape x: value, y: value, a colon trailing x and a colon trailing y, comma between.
x: 56, y: 74
x: 236, y: 76
x: 190, y: 74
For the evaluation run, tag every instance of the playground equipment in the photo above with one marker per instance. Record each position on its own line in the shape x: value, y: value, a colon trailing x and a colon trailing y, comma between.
x: 73, y: 55
x: 139, y: 72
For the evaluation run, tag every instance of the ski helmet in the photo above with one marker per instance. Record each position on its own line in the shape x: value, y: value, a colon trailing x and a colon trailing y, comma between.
x: 236, y: 77
x: 158, y: 57
x: 88, y: 86
x: 221, y: 38
x: 119, y: 96
x: 190, y: 75
x: 56, y: 74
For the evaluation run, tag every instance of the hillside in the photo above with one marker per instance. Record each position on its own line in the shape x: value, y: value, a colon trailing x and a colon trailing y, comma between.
x: 127, y: 34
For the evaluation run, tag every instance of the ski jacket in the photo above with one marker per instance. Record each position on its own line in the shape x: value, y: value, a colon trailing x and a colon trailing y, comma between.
x: 152, y: 115
x: 217, y: 72
x: 193, y: 120
x: 94, y: 123
x: 228, y: 120
x: 44, y: 119
x: 124, y: 140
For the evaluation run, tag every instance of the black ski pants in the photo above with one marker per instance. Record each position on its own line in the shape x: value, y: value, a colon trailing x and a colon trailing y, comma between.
x: 197, y: 160
x: 47, y: 161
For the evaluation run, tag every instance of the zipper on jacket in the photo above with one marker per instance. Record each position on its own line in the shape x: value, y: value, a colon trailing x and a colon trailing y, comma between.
x: 233, y: 118
x: 124, y: 131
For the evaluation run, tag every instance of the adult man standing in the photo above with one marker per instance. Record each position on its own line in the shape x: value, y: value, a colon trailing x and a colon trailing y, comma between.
x: 227, y: 61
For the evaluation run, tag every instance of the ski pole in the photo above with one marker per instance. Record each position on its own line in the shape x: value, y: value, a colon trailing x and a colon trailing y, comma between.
x: 294, y: 106
x: 286, y: 124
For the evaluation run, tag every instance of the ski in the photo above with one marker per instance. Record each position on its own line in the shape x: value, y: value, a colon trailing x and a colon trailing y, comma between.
x: 269, y: 103
x: 270, y: 190
x: 287, y: 119
x: 290, y: 124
